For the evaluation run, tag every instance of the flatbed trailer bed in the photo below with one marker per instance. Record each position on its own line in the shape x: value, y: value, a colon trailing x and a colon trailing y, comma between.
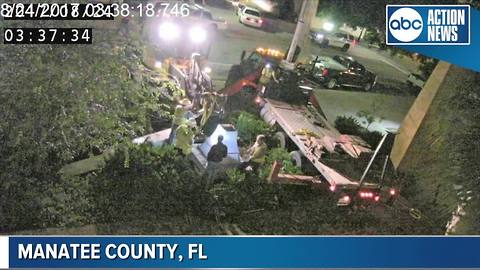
x: 313, y: 135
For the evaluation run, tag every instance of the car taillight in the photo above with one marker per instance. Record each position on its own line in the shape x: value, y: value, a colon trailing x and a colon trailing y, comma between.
x: 325, y: 72
x: 393, y: 192
x: 377, y: 198
x: 260, y: 21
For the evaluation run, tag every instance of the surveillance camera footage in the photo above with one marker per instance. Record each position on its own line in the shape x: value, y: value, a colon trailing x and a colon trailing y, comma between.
x: 238, y: 117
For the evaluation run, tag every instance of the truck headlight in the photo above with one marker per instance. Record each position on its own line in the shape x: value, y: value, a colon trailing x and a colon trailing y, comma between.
x: 197, y: 34
x: 168, y: 31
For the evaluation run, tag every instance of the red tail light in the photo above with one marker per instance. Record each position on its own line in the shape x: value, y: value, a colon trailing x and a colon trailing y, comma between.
x: 369, y: 195
x: 393, y: 192
x: 325, y: 72
x: 260, y: 21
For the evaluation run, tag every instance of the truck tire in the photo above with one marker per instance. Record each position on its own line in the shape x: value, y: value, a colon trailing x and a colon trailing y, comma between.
x: 332, y: 83
x: 296, y: 158
x: 324, y: 43
x: 281, y: 137
x: 368, y: 86
x: 264, y: 114
x: 345, y: 47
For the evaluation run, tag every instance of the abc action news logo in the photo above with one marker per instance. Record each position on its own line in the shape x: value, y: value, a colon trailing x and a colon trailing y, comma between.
x: 428, y: 24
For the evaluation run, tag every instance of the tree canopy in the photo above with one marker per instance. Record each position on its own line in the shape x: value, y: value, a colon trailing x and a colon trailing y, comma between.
x: 61, y: 104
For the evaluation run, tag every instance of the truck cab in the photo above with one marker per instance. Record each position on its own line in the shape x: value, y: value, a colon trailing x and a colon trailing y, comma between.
x: 250, y: 68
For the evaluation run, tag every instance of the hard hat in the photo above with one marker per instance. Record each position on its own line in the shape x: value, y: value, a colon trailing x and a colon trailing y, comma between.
x: 191, y: 123
x: 185, y: 102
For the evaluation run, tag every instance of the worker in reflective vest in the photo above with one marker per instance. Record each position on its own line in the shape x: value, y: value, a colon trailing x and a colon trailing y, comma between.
x: 208, y: 106
x: 267, y: 74
x: 257, y: 154
x: 184, y: 137
x: 179, y: 117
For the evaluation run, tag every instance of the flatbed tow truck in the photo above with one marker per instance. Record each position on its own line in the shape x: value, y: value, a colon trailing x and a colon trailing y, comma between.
x: 310, y: 132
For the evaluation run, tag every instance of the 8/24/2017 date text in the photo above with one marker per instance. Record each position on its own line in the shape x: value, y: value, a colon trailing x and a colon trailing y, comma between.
x: 47, y: 36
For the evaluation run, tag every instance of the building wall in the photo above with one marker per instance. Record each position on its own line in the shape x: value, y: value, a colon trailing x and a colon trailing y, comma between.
x: 438, y: 150
x: 417, y: 112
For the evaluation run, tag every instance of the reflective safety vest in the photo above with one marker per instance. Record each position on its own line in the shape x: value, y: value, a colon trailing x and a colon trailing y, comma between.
x: 259, y: 153
x: 184, y: 138
x: 179, y: 115
x: 267, y: 74
x: 208, y: 106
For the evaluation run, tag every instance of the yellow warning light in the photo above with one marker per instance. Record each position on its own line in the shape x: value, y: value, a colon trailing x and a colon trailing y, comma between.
x: 269, y: 52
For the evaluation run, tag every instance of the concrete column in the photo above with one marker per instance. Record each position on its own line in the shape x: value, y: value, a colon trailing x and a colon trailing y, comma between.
x: 417, y: 112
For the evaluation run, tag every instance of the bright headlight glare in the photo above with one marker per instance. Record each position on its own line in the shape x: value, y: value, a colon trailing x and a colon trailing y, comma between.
x: 319, y: 36
x: 168, y: 31
x: 207, y: 69
x: 198, y: 34
x: 328, y: 26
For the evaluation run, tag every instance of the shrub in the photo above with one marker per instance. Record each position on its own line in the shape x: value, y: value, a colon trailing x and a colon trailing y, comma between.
x: 59, y: 106
x: 348, y: 125
x: 141, y: 182
x: 279, y: 154
x: 249, y: 126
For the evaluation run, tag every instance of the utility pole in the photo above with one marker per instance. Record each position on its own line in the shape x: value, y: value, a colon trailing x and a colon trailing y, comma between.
x: 307, y: 12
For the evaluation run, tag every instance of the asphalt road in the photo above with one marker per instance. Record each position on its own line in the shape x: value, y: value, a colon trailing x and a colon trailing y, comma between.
x: 229, y: 43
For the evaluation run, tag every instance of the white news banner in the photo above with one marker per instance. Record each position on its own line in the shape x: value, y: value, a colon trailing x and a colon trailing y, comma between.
x: 3, y: 252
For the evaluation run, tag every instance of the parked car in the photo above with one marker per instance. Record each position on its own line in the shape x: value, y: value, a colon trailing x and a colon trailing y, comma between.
x: 339, y: 71
x: 204, y: 17
x: 250, y: 16
x: 338, y: 39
